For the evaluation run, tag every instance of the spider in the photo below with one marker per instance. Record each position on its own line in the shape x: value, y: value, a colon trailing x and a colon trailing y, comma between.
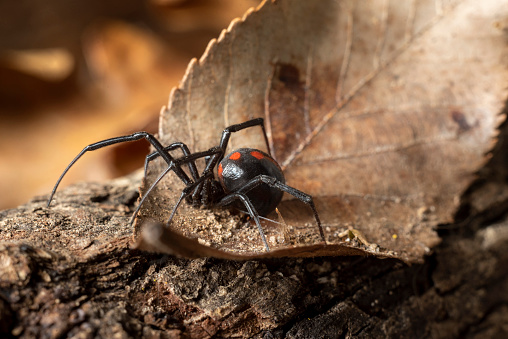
x: 246, y: 176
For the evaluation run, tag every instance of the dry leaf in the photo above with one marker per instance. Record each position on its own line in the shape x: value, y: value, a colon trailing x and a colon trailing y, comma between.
x: 382, y: 111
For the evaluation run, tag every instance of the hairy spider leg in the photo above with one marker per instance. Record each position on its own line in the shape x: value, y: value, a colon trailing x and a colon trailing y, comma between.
x: 133, y: 137
x: 230, y: 198
x: 189, y: 187
x: 271, y: 181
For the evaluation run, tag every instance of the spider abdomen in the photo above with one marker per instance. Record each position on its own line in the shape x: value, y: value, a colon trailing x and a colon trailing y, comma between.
x: 242, y: 166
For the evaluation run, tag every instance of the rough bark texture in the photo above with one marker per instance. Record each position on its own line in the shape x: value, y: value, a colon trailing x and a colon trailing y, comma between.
x: 69, y: 271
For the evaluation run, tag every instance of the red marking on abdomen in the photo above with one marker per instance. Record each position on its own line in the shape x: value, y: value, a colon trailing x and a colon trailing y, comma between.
x: 257, y: 155
x: 235, y: 156
x: 219, y: 170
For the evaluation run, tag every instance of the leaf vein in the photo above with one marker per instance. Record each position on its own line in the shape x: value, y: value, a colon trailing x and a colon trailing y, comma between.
x: 381, y: 149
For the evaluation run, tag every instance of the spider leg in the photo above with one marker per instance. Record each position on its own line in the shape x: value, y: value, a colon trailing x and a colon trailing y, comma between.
x: 185, y: 150
x: 186, y: 192
x: 272, y: 182
x: 159, y: 178
x: 177, y: 163
x: 226, y: 134
x: 230, y: 198
x: 133, y: 137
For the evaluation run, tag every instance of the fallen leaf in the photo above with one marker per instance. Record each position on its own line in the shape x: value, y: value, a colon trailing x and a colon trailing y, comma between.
x: 381, y: 111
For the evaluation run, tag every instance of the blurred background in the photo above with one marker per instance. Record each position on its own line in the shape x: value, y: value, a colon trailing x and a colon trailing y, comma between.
x: 76, y: 72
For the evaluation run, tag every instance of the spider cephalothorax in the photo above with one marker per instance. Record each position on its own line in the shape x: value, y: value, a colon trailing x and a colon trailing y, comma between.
x: 247, y: 178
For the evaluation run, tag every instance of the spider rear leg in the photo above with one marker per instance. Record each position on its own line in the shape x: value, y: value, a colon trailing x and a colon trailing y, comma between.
x: 230, y: 198
x: 303, y: 197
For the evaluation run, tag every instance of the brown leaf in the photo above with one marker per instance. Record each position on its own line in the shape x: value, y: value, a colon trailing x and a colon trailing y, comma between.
x: 383, y: 112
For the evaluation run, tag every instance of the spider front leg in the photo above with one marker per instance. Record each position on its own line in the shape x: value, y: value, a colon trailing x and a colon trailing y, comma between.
x: 272, y: 182
x: 133, y: 137
x: 230, y: 198
x: 185, y: 192
x: 191, y: 187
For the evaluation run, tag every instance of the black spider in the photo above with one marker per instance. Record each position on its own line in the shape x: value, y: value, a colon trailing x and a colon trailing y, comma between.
x: 246, y: 175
